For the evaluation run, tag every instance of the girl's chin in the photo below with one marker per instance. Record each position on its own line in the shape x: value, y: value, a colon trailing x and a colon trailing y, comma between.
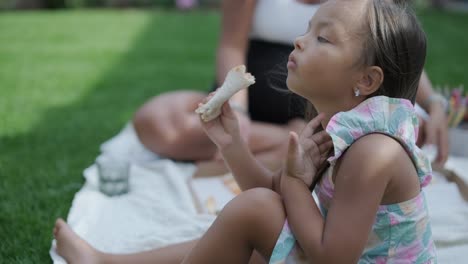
x: 296, y: 88
x: 292, y: 85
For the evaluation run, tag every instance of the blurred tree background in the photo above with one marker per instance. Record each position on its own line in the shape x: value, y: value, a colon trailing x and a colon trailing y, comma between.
x: 56, y: 4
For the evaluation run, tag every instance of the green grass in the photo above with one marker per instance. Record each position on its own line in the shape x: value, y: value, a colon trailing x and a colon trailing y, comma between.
x: 447, y: 58
x: 69, y: 80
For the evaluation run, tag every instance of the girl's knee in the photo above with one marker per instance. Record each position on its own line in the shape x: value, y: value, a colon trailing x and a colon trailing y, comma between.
x: 258, y: 203
x: 262, y: 197
x: 261, y: 214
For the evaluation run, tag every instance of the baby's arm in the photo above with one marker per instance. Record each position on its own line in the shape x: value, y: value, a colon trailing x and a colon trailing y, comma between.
x: 361, y: 180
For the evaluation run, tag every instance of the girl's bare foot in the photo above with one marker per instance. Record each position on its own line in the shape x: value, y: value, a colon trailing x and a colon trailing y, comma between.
x: 71, y: 247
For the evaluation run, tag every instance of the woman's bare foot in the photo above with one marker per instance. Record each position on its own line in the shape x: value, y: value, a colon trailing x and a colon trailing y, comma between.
x: 71, y: 247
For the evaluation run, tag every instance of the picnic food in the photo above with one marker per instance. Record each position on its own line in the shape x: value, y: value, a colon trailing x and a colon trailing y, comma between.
x: 210, y: 205
x: 232, y: 185
x: 236, y: 80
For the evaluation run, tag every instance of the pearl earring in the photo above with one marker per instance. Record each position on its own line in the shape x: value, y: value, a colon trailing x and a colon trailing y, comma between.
x: 357, y: 92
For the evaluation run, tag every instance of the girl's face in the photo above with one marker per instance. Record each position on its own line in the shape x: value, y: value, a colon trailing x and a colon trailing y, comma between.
x: 324, y: 63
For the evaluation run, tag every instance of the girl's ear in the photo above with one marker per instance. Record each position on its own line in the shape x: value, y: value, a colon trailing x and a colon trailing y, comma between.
x: 371, y: 80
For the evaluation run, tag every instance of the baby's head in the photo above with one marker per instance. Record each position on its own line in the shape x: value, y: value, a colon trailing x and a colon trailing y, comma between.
x: 372, y: 47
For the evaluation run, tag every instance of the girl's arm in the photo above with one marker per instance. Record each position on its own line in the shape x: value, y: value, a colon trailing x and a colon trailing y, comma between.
x: 247, y: 170
x: 361, y: 181
x: 236, y: 23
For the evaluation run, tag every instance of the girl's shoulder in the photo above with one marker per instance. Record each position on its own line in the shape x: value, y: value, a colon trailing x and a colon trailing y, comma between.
x: 381, y: 126
x: 374, y: 155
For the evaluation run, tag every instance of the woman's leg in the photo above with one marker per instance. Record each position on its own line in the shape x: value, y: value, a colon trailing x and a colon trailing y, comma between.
x: 252, y: 221
x: 249, y: 224
x: 167, y: 125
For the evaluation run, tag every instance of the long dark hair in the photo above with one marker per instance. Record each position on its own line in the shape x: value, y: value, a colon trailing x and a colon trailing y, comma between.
x: 394, y: 41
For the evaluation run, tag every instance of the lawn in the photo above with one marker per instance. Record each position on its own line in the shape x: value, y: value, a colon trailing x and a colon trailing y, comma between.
x: 69, y: 80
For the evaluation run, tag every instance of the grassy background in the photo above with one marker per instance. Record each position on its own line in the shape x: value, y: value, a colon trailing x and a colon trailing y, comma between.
x: 69, y: 80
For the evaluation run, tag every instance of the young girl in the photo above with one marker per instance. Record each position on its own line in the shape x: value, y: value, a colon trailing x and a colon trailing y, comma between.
x: 359, y: 64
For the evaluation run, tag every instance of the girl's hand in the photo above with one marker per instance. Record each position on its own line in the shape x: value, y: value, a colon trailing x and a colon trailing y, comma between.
x: 244, y: 128
x: 307, y: 151
x: 223, y: 130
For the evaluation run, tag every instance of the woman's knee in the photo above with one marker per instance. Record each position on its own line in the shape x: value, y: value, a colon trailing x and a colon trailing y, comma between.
x: 147, y: 120
x: 161, y: 113
x: 143, y: 119
x: 168, y: 126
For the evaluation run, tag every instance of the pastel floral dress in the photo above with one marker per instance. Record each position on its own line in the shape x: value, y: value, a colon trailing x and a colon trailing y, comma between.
x: 401, y: 232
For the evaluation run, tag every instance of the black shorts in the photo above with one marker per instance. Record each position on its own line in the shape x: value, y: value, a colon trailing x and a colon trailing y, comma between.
x: 269, y: 98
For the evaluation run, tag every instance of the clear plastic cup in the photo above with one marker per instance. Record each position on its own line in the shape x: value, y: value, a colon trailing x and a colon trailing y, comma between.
x: 113, y: 175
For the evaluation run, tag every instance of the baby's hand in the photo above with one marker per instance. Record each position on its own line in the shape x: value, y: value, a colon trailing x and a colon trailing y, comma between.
x: 307, y: 151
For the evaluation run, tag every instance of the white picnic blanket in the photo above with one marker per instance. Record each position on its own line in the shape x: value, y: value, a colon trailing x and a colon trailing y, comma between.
x: 159, y: 209
x: 449, y: 214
